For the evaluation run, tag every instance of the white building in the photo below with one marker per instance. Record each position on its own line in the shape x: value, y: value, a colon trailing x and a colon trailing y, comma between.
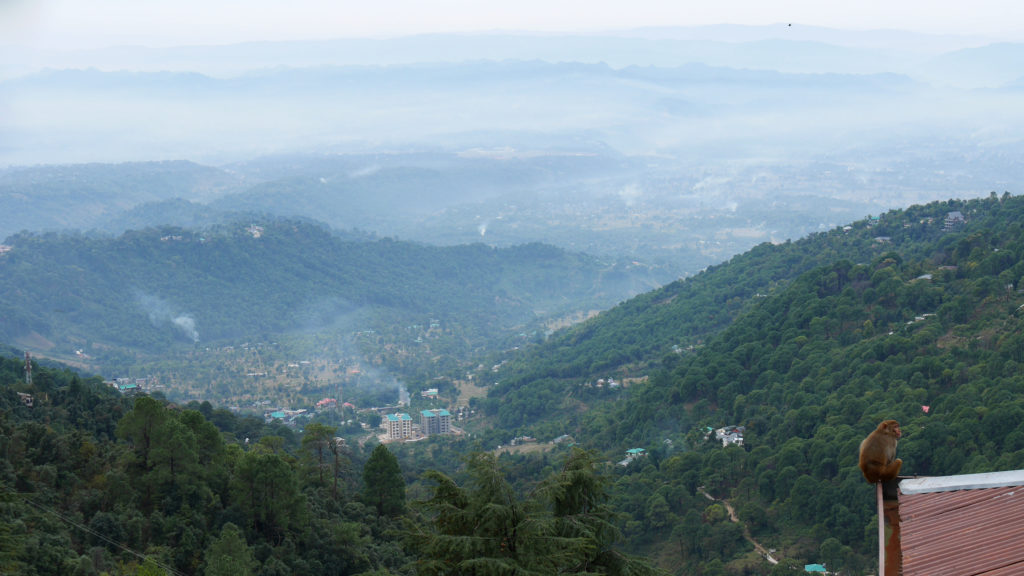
x: 730, y: 435
x: 398, y: 426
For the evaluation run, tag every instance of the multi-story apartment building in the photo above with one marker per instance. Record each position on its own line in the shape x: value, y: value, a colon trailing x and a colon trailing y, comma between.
x: 436, y: 421
x: 398, y: 426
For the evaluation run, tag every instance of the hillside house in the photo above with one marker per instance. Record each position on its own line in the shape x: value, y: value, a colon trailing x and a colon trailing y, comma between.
x: 953, y: 220
x: 631, y: 455
x: 126, y: 386
x: 564, y: 439
x: 730, y: 435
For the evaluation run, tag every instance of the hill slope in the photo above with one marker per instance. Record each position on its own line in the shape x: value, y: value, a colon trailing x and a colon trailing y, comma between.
x: 83, y: 196
x: 923, y: 325
x: 900, y: 317
x: 156, y: 291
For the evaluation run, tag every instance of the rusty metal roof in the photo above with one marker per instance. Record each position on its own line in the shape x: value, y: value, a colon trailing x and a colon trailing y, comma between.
x: 963, y: 525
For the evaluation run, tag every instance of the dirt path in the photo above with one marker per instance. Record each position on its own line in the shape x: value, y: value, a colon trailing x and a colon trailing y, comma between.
x: 746, y: 531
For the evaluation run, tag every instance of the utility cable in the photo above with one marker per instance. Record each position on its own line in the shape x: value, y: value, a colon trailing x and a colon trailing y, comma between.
x: 82, y: 527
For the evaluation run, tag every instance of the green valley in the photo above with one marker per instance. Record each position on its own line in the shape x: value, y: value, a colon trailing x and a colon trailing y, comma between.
x: 796, y: 350
x: 214, y: 313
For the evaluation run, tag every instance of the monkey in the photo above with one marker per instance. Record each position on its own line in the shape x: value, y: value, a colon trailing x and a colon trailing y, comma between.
x: 878, y: 459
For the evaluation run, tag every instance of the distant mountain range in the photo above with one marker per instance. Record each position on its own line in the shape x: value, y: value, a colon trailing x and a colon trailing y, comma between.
x: 669, y: 92
x: 722, y: 45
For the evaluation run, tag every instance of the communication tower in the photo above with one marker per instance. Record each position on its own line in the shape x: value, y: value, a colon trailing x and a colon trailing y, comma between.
x: 28, y: 368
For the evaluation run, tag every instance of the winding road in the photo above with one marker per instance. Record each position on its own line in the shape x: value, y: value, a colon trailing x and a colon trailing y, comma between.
x: 746, y: 531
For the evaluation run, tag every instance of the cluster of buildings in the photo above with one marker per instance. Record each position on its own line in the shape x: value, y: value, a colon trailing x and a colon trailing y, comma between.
x: 129, y: 385
x: 520, y: 440
x: 399, y: 426
x: 283, y: 415
x: 601, y: 383
x: 327, y: 404
x: 290, y: 417
x: 730, y: 435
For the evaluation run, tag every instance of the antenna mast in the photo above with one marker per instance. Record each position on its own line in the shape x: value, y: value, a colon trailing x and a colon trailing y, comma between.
x: 28, y: 368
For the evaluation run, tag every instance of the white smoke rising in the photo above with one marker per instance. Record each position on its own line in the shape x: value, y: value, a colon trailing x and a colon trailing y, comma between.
x: 161, y: 312
x: 188, y: 326
x: 482, y: 228
x: 156, y: 308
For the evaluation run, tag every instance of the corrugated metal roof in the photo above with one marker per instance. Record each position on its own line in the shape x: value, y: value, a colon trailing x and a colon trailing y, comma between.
x: 958, y: 532
x: 962, y: 482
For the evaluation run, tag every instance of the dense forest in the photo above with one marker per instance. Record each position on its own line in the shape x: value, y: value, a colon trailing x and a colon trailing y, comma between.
x: 96, y: 483
x: 159, y: 290
x: 914, y: 315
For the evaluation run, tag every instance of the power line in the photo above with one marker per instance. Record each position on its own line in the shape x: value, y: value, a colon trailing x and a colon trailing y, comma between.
x: 82, y: 527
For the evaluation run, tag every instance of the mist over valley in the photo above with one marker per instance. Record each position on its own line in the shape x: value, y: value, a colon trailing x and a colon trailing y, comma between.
x: 618, y: 301
x: 657, y: 152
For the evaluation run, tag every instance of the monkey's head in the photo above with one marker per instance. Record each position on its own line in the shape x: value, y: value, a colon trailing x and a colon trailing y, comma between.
x: 890, y: 427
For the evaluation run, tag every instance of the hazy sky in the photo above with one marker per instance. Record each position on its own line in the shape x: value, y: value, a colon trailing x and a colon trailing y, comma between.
x: 63, y: 24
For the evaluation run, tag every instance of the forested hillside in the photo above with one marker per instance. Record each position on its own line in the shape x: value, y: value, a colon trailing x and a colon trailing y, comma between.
x: 916, y: 318
x: 914, y: 315
x: 95, y: 483
x: 159, y: 290
x: 82, y: 196
x: 680, y: 317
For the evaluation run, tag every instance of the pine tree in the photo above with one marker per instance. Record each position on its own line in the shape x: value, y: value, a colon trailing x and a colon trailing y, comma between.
x: 383, y: 485
x: 317, y: 441
x: 229, y: 555
x: 563, y: 527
